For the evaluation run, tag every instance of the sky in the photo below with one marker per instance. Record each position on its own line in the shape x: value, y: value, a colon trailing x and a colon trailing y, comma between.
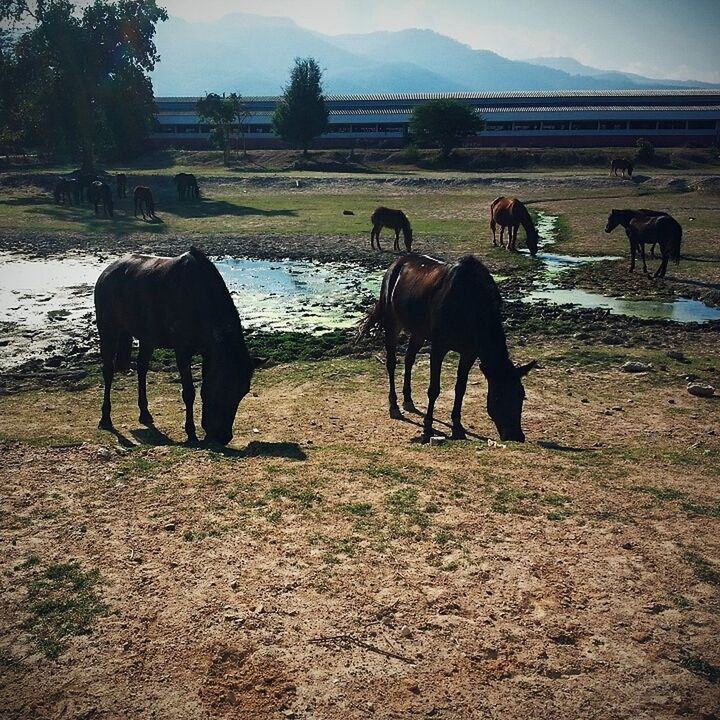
x: 675, y: 39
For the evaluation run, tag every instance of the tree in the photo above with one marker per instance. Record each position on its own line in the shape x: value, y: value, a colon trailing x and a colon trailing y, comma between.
x: 221, y: 112
x: 445, y: 123
x: 81, y: 74
x: 301, y: 115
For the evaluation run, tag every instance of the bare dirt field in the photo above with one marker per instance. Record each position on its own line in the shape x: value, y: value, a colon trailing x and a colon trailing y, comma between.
x: 327, y: 565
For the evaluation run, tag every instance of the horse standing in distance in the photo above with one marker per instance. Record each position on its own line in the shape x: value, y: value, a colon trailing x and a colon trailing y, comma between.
x: 66, y: 191
x: 187, y: 186
x: 643, y: 230
x: 180, y: 303
x: 121, y: 184
x: 143, y: 200
x: 510, y: 213
x: 99, y: 192
x: 622, y: 165
x: 455, y: 307
x: 394, y: 219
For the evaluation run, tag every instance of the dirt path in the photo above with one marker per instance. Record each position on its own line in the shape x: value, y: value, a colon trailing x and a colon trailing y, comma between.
x: 335, y: 569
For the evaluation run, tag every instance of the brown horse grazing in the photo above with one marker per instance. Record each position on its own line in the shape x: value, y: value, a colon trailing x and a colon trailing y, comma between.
x: 510, y: 213
x: 642, y: 229
x: 455, y: 307
x: 180, y: 303
x: 187, y: 186
x: 394, y: 219
x: 121, y: 184
x: 99, y: 192
x: 143, y: 199
x: 623, y: 165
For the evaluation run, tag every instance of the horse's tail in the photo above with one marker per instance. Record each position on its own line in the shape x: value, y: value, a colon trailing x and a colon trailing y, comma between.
x: 376, y: 317
x: 122, y: 354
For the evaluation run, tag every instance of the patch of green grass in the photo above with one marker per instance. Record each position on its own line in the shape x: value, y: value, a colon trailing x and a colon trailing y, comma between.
x: 359, y: 509
x: 511, y: 500
x: 660, y: 493
x: 137, y: 466
x: 386, y: 471
x: 63, y: 601
x: 443, y: 537
x: 705, y: 510
x: 284, y: 347
x: 696, y: 665
x: 704, y: 569
x: 403, y: 503
x: 305, y: 496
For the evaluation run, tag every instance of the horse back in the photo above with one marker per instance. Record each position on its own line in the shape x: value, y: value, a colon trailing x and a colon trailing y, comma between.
x: 389, y: 217
x: 508, y: 211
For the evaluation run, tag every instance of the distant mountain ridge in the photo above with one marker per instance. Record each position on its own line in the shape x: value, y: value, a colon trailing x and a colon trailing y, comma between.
x: 252, y: 54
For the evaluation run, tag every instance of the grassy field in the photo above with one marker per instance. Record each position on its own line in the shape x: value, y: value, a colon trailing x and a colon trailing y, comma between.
x: 328, y: 565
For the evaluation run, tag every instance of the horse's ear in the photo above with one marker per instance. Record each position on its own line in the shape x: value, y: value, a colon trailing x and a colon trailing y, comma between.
x: 258, y: 362
x: 523, y: 370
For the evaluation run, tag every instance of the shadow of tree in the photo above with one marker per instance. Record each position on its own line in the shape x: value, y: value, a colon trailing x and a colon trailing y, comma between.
x: 213, y: 208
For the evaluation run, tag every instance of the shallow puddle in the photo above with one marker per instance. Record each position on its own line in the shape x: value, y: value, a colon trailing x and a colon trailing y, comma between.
x: 44, y: 304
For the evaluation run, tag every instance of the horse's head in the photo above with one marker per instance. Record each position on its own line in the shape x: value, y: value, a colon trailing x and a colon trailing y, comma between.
x: 408, y: 237
x: 227, y: 371
x: 505, y: 398
x: 533, y: 238
x: 614, y: 219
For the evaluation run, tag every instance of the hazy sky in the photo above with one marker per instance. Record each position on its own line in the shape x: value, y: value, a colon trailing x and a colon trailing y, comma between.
x: 678, y: 39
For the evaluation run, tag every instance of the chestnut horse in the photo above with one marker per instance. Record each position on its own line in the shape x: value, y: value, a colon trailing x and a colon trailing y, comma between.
x: 456, y: 307
x: 511, y: 213
x: 394, y: 219
x: 143, y: 199
x: 623, y: 165
x: 180, y: 303
x: 643, y: 229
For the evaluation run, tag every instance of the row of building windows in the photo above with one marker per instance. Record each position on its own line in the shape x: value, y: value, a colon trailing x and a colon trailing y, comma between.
x: 399, y: 129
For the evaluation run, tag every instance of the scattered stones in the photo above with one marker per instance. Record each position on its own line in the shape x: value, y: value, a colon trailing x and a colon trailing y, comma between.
x: 701, y: 390
x: 348, y: 212
x: 169, y: 526
x: 405, y: 632
x: 103, y: 453
x: 436, y: 440
x: 633, y: 366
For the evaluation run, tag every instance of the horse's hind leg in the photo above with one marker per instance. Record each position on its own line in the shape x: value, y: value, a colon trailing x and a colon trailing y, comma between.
x: 143, y: 362
x: 436, y: 358
x: 391, y: 363
x: 414, y: 345
x: 492, y: 227
x: 641, y: 248
x: 108, y: 348
x: 183, y: 359
x: 396, y: 246
x: 660, y: 272
x: 466, y: 362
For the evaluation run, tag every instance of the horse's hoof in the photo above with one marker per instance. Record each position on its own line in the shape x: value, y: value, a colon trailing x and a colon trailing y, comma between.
x: 146, y: 419
x: 105, y: 425
x: 425, y: 439
x: 409, y: 406
x: 458, y: 434
x: 395, y: 413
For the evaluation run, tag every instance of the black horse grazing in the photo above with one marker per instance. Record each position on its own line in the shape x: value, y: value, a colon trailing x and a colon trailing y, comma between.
x: 455, y: 307
x: 99, y: 192
x: 644, y: 229
x: 121, y: 184
x: 66, y: 191
x: 144, y: 201
x: 622, y: 165
x: 184, y: 304
x: 187, y: 186
x: 84, y: 181
x: 394, y: 219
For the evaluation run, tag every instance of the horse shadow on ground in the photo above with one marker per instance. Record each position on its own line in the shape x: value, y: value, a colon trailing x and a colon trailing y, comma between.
x: 552, y: 445
x: 406, y: 419
x: 150, y: 435
x: 213, y: 208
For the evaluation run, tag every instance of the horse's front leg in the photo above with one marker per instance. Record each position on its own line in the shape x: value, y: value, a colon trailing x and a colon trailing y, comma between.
x: 414, y: 345
x: 391, y: 363
x: 466, y: 362
x: 660, y: 272
x: 502, y: 236
x: 143, y: 363
x: 632, y: 256
x: 183, y: 359
x: 436, y: 358
x: 396, y: 247
x: 492, y: 227
x: 641, y: 248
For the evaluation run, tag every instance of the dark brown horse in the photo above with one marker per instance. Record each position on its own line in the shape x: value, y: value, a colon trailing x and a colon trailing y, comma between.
x: 455, y: 307
x: 143, y: 199
x: 121, y: 184
x: 99, y: 192
x: 187, y: 186
x: 510, y: 213
x: 394, y: 219
x: 180, y: 303
x: 623, y: 165
x: 642, y: 229
x: 66, y: 191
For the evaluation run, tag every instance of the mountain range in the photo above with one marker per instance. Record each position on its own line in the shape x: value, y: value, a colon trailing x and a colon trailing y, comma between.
x: 252, y: 54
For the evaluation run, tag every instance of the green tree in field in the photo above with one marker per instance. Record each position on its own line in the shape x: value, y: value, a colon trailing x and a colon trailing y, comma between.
x: 222, y: 112
x: 445, y: 123
x: 301, y: 115
x: 80, y: 74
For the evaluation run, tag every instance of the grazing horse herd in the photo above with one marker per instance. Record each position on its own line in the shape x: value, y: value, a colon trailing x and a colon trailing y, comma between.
x: 183, y: 304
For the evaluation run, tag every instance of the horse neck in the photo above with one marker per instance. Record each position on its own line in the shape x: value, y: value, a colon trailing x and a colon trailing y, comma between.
x: 492, y: 349
x: 526, y: 221
x: 625, y: 217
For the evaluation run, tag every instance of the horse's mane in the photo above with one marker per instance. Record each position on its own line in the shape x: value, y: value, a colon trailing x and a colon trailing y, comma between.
x: 470, y: 268
x: 221, y: 300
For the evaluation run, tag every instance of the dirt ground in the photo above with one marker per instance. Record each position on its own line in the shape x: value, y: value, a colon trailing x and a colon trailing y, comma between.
x: 327, y: 565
